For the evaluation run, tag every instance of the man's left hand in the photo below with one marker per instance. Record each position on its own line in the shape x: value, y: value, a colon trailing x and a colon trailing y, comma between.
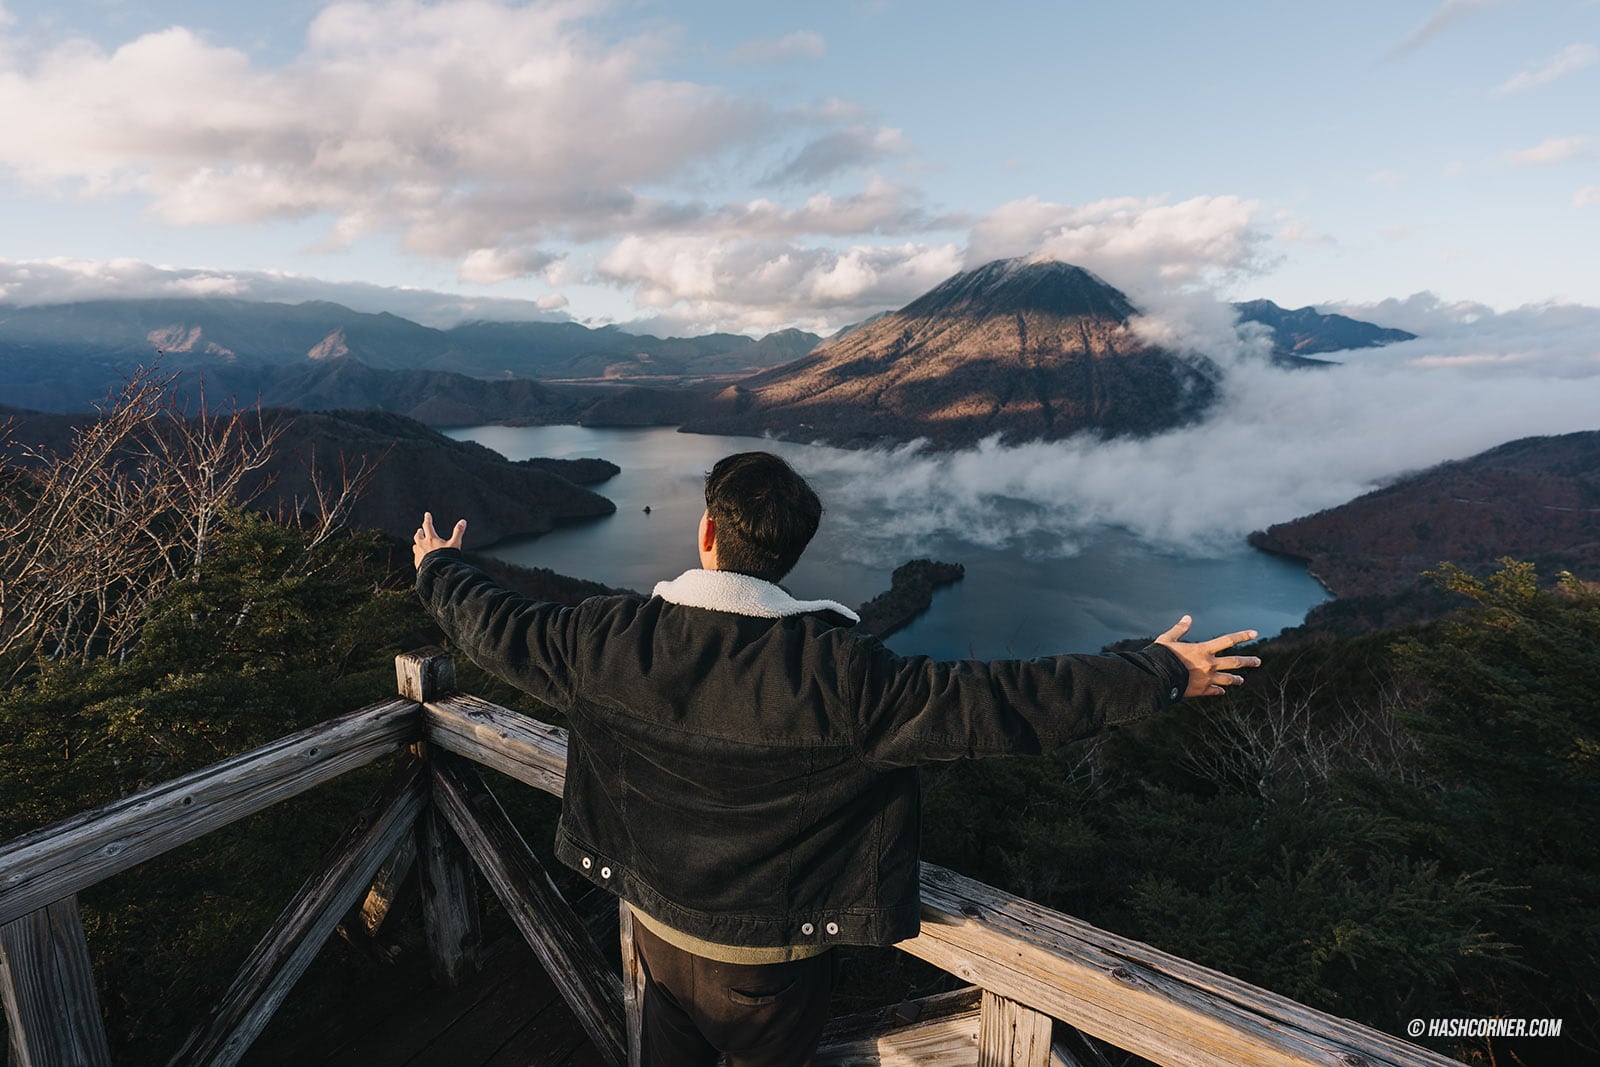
x: 426, y: 539
x: 1209, y: 674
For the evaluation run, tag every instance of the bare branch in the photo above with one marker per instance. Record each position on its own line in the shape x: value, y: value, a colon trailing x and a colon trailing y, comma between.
x: 89, y: 537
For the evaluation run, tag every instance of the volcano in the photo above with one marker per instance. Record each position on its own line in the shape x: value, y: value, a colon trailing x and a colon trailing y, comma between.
x: 1027, y: 349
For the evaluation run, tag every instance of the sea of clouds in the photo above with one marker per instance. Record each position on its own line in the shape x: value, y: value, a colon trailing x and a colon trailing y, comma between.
x: 1277, y: 444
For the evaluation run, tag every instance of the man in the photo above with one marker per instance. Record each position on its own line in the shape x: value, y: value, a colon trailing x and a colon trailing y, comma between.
x: 741, y: 766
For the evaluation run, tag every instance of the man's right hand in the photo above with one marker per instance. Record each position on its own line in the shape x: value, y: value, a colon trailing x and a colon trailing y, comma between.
x: 1209, y: 673
x: 426, y: 539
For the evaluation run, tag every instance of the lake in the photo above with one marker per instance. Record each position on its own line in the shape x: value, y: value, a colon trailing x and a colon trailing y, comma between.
x: 1026, y: 592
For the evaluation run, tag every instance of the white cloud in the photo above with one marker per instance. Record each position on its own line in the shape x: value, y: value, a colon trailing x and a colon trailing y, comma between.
x: 1295, y: 231
x: 881, y: 207
x: 802, y: 44
x: 844, y: 149
x: 727, y: 279
x: 1589, y: 194
x: 478, y: 130
x: 485, y: 266
x: 1389, y: 179
x: 1571, y: 58
x: 1556, y: 340
x: 1554, y: 150
x: 1145, y: 247
x: 1446, y: 15
x: 59, y: 281
x: 729, y: 282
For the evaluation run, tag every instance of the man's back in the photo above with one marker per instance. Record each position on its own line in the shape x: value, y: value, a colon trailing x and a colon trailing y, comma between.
x: 750, y: 780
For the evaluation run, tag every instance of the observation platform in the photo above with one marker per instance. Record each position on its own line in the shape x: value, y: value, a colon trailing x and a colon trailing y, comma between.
x: 1042, y: 989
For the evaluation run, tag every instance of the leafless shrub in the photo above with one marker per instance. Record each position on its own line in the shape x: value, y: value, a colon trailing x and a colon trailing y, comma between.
x: 91, y: 534
x: 1278, y: 743
x: 1084, y: 767
x: 323, y: 510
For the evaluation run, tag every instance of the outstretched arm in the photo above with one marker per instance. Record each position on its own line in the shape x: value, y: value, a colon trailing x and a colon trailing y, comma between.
x: 526, y: 642
x: 1208, y: 672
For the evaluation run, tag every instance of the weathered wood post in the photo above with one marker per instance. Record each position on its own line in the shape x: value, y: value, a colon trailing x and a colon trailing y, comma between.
x: 48, y: 987
x: 425, y: 674
x: 450, y: 906
x: 1011, y: 1034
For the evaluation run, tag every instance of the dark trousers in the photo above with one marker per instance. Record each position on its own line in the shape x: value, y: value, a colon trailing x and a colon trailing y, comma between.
x: 765, y: 1015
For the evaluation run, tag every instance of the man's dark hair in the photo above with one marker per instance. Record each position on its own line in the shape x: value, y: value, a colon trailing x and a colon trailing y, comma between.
x: 765, y: 514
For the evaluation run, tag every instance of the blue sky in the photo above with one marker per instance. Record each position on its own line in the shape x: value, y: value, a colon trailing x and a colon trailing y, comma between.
x: 744, y: 166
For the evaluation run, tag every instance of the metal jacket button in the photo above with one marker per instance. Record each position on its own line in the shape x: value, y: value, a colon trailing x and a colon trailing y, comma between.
x: 808, y: 929
x: 587, y: 863
x: 833, y: 928
x: 605, y: 872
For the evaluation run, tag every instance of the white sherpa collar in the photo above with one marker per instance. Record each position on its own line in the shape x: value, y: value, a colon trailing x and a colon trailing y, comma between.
x: 741, y: 595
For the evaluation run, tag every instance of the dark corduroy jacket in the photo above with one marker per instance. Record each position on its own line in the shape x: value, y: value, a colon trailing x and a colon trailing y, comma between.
x: 752, y: 780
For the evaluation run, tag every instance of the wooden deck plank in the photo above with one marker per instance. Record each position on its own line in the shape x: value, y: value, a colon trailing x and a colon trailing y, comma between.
x: 411, y: 1032
x: 399, y: 1022
x: 523, y: 999
x: 551, y: 1037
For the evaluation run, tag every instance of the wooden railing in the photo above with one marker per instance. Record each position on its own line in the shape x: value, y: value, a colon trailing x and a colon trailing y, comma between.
x: 1041, y: 980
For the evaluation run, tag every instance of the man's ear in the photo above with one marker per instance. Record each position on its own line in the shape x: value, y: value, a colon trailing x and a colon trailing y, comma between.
x: 708, y: 534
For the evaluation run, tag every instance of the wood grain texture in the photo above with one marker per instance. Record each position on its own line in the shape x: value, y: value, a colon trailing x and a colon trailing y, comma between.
x: 450, y: 911
x: 554, y: 932
x: 937, y: 1031
x: 425, y: 673
x: 62, y: 858
x: 1010, y: 1035
x: 370, y: 915
x: 47, y: 983
x: 297, y: 934
x: 532, y: 752
x: 1135, y: 997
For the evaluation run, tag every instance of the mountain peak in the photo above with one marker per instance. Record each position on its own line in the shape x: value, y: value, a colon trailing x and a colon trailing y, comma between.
x: 1027, y: 348
x: 1023, y: 284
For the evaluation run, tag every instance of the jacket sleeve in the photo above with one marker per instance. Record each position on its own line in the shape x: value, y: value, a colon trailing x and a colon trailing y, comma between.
x: 915, y: 710
x: 526, y: 642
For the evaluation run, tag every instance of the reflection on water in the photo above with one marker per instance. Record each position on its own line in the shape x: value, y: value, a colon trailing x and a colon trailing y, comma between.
x: 1025, y: 599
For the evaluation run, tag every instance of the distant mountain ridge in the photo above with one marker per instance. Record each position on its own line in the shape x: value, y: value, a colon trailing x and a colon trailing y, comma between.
x: 1306, y: 331
x: 1028, y: 349
x: 1024, y: 348
x: 204, y: 333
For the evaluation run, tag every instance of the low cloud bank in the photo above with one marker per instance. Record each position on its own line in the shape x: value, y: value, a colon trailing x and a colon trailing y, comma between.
x: 1278, y: 445
x: 62, y: 281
